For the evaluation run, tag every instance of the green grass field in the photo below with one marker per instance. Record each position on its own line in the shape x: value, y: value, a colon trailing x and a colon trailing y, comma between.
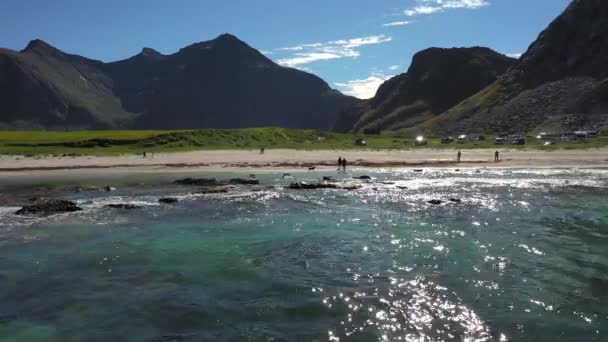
x: 130, y: 142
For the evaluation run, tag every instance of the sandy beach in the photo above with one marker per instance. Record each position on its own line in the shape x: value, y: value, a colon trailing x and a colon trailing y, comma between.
x: 276, y: 160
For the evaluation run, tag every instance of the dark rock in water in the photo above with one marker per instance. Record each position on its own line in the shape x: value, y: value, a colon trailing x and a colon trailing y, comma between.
x: 363, y: 177
x: 402, y: 187
x: 198, y: 181
x: 418, y: 170
x: 306, y: 186
x: 123, y: 206
x: 435, y: 202
x: 328, y: 179
x: 7, y: 319
x: 168, y: 200
x: 455, y: 200
x: 210, y: 191
x: 351, y: 187
x: 242, y: 181
x: 170, y: 338
x: 48, y: 207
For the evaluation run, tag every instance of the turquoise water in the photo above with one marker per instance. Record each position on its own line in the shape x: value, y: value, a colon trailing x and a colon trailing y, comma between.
x: 524, y: 257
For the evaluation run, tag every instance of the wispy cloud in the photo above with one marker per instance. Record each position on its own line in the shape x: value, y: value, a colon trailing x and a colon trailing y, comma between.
x: 514, y: 55
x: 397, y: 23
x: 309, y: 53
x: 433, y: 6
x: 363, y: 88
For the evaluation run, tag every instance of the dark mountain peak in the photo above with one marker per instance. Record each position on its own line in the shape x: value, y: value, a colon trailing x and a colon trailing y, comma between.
x: 227, y: 37
x: 445, y: 58
x: 574, y: 44
x: 557, y: 84
x: 39, y: 45
x: 437, y: 79
x: 150, y: 54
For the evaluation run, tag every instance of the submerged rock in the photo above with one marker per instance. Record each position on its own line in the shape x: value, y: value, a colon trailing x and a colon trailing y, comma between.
x: 210, y: 191
x: 455, y: 200
x: 124, y: 206
x: 198, y: 181
x: 306, y: 186
x: 242, y: 181
x: 363, y: 177
x: 48, y: 207
x: 329, y: 179
x: 168, y: 200
x: 435, y: 202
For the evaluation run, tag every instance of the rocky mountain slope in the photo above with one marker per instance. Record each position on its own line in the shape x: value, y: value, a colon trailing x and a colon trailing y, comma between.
x: 436, y: 80
x: 560, y: 83
x: 222, y: 83
x: 44, y: 87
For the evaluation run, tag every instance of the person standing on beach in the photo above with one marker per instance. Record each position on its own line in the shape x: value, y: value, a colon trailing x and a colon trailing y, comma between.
x: 496, y: 156
x: 144, y: 154
x: 339, y: 163
x: 344, y: 164
x: 458, y: 156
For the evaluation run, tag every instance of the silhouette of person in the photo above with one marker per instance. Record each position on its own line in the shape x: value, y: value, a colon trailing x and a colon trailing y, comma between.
x: 262, y: 150
x: 344, y: 164
x: 339, y: 163
x: 496, y: 156
x: 458, y: 156
x: 144, y: 154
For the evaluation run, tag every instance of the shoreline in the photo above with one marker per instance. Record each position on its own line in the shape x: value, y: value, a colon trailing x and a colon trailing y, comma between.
x: 299, y: 160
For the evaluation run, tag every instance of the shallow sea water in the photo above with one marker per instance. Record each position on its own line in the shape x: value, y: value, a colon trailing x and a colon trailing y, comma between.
x: 523, y: 257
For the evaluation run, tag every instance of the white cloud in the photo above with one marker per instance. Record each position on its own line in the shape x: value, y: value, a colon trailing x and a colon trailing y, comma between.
x: 514, y: 55
x: 433, y: 6
x: 309, y: 53
x: 364, y: 88
x: 394, y: 67
x: 397, y: 23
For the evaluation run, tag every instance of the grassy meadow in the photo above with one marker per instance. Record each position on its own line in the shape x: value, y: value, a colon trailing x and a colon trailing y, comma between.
x: 131, y: 142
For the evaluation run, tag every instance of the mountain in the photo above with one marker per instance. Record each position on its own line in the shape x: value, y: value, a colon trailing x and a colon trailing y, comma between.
x: 44, y: 87
x: 560, y: 83
x: 436, y: 80
x: 222, y: 83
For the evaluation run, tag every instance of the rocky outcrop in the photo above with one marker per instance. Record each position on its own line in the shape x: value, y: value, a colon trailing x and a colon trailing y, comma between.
x: 560, y: 83
x: 49, y: 207
x: 168, y: 200
x: 244, y: 181
x: 125, y: 206
x: 307, y: 186
x: 437, y: 80
x: 199, y: 182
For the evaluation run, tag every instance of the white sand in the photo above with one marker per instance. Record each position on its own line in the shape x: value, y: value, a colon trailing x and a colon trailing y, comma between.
x: 274, y: 160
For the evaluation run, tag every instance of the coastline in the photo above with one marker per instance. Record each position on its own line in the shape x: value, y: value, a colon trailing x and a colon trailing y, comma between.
x: 299, y: 160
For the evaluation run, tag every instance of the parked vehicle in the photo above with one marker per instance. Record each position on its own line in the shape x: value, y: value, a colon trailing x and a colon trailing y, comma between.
x: 500, y: 141
x: 361, y: 142
x: 420, y: 141
x: 593, y: 134
x: 447, y: 140
x: 463, y: 139
x: 518, y: 141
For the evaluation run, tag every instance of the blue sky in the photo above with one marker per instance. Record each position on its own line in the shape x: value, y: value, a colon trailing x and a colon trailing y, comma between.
x: 352, y: 44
